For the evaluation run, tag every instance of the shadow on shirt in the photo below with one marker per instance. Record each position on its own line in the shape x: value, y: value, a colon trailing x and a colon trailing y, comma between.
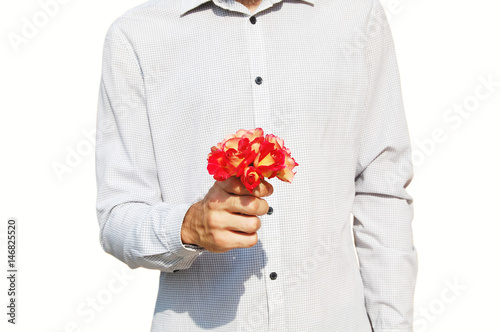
x: 210, y: 290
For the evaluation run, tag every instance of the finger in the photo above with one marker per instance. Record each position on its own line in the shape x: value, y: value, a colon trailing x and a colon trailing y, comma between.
x: 244, y: 224
x: 249, y: 205
x: 233, y: 185
x: 240, y: 240
x: 264, y: 189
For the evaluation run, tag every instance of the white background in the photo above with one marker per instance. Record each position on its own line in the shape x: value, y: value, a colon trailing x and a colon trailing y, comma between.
x: 49, y: 89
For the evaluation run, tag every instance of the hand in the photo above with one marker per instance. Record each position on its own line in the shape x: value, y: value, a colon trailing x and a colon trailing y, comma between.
x: 226, y: 218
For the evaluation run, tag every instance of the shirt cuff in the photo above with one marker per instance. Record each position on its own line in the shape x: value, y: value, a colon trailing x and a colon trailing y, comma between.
x: 186, y: 253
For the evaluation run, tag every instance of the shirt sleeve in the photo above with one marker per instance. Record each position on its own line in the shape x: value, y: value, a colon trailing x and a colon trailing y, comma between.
x: 136, y: 226
x: 383, y: 209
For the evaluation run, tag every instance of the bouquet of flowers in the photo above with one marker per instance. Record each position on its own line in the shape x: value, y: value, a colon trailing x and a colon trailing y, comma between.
x: 251, y: 156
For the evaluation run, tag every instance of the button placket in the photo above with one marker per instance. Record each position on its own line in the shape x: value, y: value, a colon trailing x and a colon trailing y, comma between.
x: 263, y: 117
x: 258, y: 74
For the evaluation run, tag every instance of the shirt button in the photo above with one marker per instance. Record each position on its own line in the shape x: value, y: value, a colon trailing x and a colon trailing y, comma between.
x: 273, y: 276
x: 253, y: 20
x: 258, y: 80
x: 270, y: 211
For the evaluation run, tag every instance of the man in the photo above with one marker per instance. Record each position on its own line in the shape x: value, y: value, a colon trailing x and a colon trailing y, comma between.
x: 180, y: 75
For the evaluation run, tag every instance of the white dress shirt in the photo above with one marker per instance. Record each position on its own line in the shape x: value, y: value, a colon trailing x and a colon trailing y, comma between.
x: 177, y: 77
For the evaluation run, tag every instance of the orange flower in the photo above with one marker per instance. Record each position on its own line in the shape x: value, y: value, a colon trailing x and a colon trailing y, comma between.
x: 269, y: 160
x: 252, y: 157
x: 286, y: 174
x: 250, y: 178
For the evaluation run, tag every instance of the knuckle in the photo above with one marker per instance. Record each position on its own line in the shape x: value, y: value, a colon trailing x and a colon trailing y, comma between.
x: 235, y: 203
x: 254, y: 206
x: 264, y: 206
x: 254, y: 225
x: 216, y: 240
x: 252, y: 241
x: 258, y: 224
x: 270, y: 189
x: 211, y: 221
x: 262, y: 190
x: 248, y: 205
x: 212, y: 204
x: 258, y: 206
x: 219, y: 241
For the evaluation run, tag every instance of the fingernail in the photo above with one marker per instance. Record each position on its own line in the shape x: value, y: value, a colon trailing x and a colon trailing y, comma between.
x: 270, y: 211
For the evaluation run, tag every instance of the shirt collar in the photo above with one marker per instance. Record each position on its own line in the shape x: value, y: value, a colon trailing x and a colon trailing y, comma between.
x: 188, y: 5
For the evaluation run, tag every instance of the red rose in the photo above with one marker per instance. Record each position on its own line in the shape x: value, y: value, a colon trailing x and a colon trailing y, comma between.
x: 286, y: 174
x: 250, y: 178
x: 269, y: 160
x: 252, y: 157
x: 217, y: 166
